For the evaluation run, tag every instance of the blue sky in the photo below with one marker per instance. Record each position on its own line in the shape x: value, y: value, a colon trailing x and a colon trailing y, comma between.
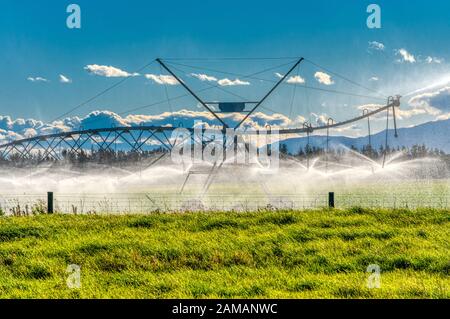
x: 37, y: 48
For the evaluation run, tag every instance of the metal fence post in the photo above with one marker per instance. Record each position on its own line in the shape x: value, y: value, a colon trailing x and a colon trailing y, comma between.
x: 50, y: 202
x: 331, y: 199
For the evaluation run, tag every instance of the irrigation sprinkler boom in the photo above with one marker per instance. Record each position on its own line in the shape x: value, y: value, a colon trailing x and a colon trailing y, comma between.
x: 137, y: 138
x: 105, y: 138
x: 392, y: 103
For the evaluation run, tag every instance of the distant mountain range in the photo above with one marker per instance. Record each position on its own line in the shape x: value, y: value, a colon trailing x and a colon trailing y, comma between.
x: 432, y: 134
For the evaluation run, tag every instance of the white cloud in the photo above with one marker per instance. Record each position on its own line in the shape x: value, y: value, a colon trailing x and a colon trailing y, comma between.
x: 204, y: 77
x: 29, y: 132
x: 369, y: 107
x: 37, y: 79
x: 64, y: 79
x: 17, y: 129
x: 406, y: 114
x: 405, y: 56
x: 436, y: 60
x: 434, y: 103
x: 445, y: 116
x: 108, y: 71
x: 374, y: 78
x: 20, y: 128
x: 353, y: 130
x: 321, y: 119
x: 221, y: 82
x: 228, y: 82
x: 296, y: 79
x: 323, y: 78
x: 162, y: 79
x: 374, y: 45
x: 402, y: 112
x: 441, y: 82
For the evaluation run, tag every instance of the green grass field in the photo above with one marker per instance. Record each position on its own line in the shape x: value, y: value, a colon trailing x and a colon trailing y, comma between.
x: 291, y: 254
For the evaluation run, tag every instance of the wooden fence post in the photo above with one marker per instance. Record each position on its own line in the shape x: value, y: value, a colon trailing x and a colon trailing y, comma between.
x: 331, y: 199
x: 50, y: 202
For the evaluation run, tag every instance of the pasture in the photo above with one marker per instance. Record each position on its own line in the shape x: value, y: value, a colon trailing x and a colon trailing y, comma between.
x: 318, y: 253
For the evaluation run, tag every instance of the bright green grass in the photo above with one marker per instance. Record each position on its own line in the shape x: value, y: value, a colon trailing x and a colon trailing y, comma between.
x: 304, y: 254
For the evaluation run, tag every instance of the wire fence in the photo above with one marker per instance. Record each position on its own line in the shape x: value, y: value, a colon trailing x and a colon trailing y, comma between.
x: 418, y: 200
x: 24, y: 204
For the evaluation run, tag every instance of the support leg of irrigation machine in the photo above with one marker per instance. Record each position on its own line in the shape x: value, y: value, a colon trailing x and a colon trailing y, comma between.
x: 329, y: 121
x: 392, y: 102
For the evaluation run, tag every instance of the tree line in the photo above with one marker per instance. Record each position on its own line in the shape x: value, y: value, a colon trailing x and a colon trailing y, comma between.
x: 415, y: 151
x: 110, y: 156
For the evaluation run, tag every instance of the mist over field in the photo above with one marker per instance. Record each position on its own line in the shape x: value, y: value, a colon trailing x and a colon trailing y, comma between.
x: 292, y: 176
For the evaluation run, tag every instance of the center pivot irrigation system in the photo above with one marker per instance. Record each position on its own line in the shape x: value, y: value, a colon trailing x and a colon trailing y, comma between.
x: 54, y: 147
